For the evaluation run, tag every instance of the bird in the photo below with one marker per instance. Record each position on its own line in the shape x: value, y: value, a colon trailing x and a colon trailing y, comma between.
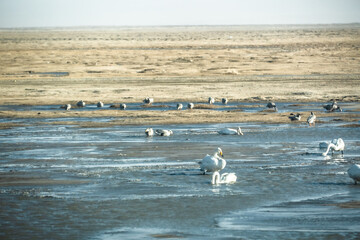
x: 335, y: 145
x: 223, y: 178
x: 212, y: 163
x: 100, y: 104
x: 231, y: 131
x: 272, y: 105
x: 354, y: 172
x: 295, y: 117
x: 149, y: 132
x: 163, y: 132
x: 224, y: 101
x: 190, y: 105
x: 179, y: 106
x: 332, y: 107
x: 311, y: 119
x: 67, y: 107
x: 211, y: 100
x: 148, y: 100
x: 123, y: 106
x: 81, y: 103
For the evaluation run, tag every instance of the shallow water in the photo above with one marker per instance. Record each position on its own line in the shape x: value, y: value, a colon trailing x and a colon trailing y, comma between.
x: 114, y: 183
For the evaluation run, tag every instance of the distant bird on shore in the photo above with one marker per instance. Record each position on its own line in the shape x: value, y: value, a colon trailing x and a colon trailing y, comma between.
x: 149, y: 132
x: 295, y: 117
x: 332, y: 107
x: 123, y: 106
x: 224, y: 101
x: 211, y: 100
x: 100, y: 104
x: 223, y: 178
x: 179, y: 106
x: 164, y: 132
x: 335, y: 145
x: 81, y: 103
x: 311, y: 119
x: 212, y: 163
x: 190, y: 105
x: 272, y: 105
x: 231, y: 131
x: 148, y: 100
x: 354, y: 172
x: 67, y: 107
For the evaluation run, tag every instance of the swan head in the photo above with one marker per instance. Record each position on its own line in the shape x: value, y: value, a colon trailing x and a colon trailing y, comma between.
x: 220, y: 152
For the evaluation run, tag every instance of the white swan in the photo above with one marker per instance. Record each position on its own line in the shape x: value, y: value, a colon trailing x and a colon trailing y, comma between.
x: 211, y: 100
x: 213, y: 163
x: 311, y: 119
x: 163, y: 132
x: 81, y: 103
x: 231, y: 131
x: 179, y: 106
x: 190, y: 106
x: 223, y: 178
x: 149, y: 132
x: 354, y: 172
x: 335, y: 145
x: 100, y: 104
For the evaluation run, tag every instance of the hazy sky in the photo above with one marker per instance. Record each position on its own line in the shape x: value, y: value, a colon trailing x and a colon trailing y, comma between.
x: 42, y: 13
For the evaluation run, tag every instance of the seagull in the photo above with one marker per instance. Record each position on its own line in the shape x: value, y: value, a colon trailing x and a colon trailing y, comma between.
x: 224, y: 101
x: 295, y: 117
x: 223, y: 178
x: 190, y: 106
x: 212, y: 163
x: 335, y: 145
x: 81, y: 103
x: 354, y: 172
x: 163, y: 132
x: 311, y: 119
x: 211, y: 100
x: 123, y: 106
x: 179, y: 106
x: 231, y: 131
x: 149, y: 132
x: 148, y: 100
x: 100, y: 104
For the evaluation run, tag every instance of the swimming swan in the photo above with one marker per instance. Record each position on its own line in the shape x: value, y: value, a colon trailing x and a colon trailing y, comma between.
x: 335, y: 145
x: 223, y: 178
x: 231, y: 131
x: 213, y: 163
x: 354, y: 172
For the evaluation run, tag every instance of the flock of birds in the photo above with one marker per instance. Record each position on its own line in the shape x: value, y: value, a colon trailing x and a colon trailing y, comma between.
x: 215, y: 163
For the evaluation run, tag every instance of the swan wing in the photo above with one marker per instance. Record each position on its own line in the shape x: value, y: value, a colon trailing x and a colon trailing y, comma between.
x: 228, y: 177
x: 209, y: 164
x: 354, y: 172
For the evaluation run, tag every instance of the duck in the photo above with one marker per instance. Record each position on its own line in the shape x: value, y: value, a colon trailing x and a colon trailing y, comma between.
x: 332, y: 107
x: 354, y: 172
x: 163, y: 132
x: 67, y: 107
x: 212, y: 163
x: 80, y: 103
x: 149, y: 132
x: 123, y: 106
x: 224, y: 101
x: 190, y: 105
x: 179, y: 106
x: 211, y: 100
x: 148, y: 100
x: 231, y: 131
x: 295, y: 117
x: 335, y: 145
x: 223, y: 178
x: 100, y: 104
x: 272, y: 105
x: 311, y: 119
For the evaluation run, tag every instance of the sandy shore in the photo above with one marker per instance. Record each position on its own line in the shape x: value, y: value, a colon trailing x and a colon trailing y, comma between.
x: 188, y: 64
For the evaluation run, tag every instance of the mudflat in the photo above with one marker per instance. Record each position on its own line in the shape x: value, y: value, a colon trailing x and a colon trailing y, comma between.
x: 298, y: 63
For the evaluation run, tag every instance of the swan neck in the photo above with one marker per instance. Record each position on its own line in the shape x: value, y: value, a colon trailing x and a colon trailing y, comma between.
x: 215, y: 178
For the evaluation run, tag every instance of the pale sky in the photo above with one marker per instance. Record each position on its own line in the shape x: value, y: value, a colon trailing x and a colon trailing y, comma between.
x: 63, y: 13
